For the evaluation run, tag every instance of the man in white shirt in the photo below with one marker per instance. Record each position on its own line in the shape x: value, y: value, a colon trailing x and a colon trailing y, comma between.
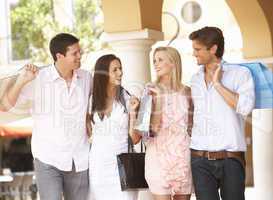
x: 59, y: 95
x: 223, y: 94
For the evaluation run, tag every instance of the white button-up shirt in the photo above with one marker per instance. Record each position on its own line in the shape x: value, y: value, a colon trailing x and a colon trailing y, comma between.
x: 59, y: 118
x: 217, y: 126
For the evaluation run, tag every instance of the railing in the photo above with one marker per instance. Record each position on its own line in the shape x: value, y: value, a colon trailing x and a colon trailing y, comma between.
x: 22, y: 186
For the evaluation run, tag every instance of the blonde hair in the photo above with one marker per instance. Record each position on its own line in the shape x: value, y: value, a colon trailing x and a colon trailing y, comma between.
x: 175, y: 59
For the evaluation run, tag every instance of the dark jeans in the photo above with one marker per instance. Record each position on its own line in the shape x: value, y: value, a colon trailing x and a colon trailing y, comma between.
x: 209, y: 176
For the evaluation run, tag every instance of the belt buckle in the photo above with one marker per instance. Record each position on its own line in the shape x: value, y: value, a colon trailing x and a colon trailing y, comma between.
x: 210, y: 158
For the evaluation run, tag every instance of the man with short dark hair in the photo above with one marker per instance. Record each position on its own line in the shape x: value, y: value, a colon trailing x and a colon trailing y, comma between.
x: 59, y: 95
x: 223, y: 94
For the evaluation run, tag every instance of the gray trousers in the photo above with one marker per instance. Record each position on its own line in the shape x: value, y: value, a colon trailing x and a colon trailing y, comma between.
x: 53, y: 183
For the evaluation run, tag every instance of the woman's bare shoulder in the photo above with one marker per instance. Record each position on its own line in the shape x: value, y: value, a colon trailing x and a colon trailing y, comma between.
x: 185, y: 90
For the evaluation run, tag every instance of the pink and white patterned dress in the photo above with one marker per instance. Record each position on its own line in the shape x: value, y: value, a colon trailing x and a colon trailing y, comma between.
x: 167, y: 162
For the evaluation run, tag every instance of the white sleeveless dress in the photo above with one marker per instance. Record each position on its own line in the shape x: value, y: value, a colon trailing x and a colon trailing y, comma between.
x: 110, y: 138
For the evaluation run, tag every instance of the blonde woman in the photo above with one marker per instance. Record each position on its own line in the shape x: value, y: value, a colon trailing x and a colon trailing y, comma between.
x: 167, y: 164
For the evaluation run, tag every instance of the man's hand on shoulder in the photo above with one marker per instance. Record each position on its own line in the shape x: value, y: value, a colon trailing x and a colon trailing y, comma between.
x: 28, y: 74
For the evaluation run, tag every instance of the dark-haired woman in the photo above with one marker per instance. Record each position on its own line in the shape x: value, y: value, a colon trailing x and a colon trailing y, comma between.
x: 112, y: 118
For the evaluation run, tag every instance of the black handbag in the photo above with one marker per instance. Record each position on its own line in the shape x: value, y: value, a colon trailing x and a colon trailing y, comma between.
x: 131, y: 167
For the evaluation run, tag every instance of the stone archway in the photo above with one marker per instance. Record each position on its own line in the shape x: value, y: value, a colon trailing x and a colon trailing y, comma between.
x: 256, y: 23
x: 124, y: 15
x: 254, y: 18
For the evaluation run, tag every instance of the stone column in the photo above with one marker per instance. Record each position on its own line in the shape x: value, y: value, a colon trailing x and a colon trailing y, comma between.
x: 134, y: 48
x: 262, y: 140
x: 262, y: 154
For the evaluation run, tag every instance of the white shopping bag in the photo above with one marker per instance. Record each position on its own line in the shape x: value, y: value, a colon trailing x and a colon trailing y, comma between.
x: 144, y: 116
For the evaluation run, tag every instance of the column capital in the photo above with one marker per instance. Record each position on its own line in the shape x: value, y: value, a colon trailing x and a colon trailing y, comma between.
x: 145, y: 34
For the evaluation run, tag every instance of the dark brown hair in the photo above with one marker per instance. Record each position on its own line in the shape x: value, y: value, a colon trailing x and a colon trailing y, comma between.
x: 210, y: 36
x: 101, y: 81
x: 60, y: 43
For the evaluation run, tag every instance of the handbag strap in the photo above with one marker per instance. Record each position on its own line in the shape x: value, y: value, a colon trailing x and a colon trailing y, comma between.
x: 130, y: 142
x: 131, y: 146
x: 142, y: 147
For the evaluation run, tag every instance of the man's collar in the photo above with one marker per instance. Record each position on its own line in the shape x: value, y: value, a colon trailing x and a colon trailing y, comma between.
x: 54, y: 74
x: 222, y: 64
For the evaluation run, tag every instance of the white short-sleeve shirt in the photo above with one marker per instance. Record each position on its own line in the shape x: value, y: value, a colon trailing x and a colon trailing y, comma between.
x: 59, y: 118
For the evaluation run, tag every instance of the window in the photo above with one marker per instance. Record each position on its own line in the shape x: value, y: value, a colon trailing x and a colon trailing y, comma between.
x: 19, y: 46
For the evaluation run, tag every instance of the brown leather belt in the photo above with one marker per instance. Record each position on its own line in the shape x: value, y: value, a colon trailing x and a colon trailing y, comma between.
x: 218, y: 155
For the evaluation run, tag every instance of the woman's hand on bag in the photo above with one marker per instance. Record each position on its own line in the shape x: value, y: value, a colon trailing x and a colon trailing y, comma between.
x: 155, y: 91
x: 134, y: 104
